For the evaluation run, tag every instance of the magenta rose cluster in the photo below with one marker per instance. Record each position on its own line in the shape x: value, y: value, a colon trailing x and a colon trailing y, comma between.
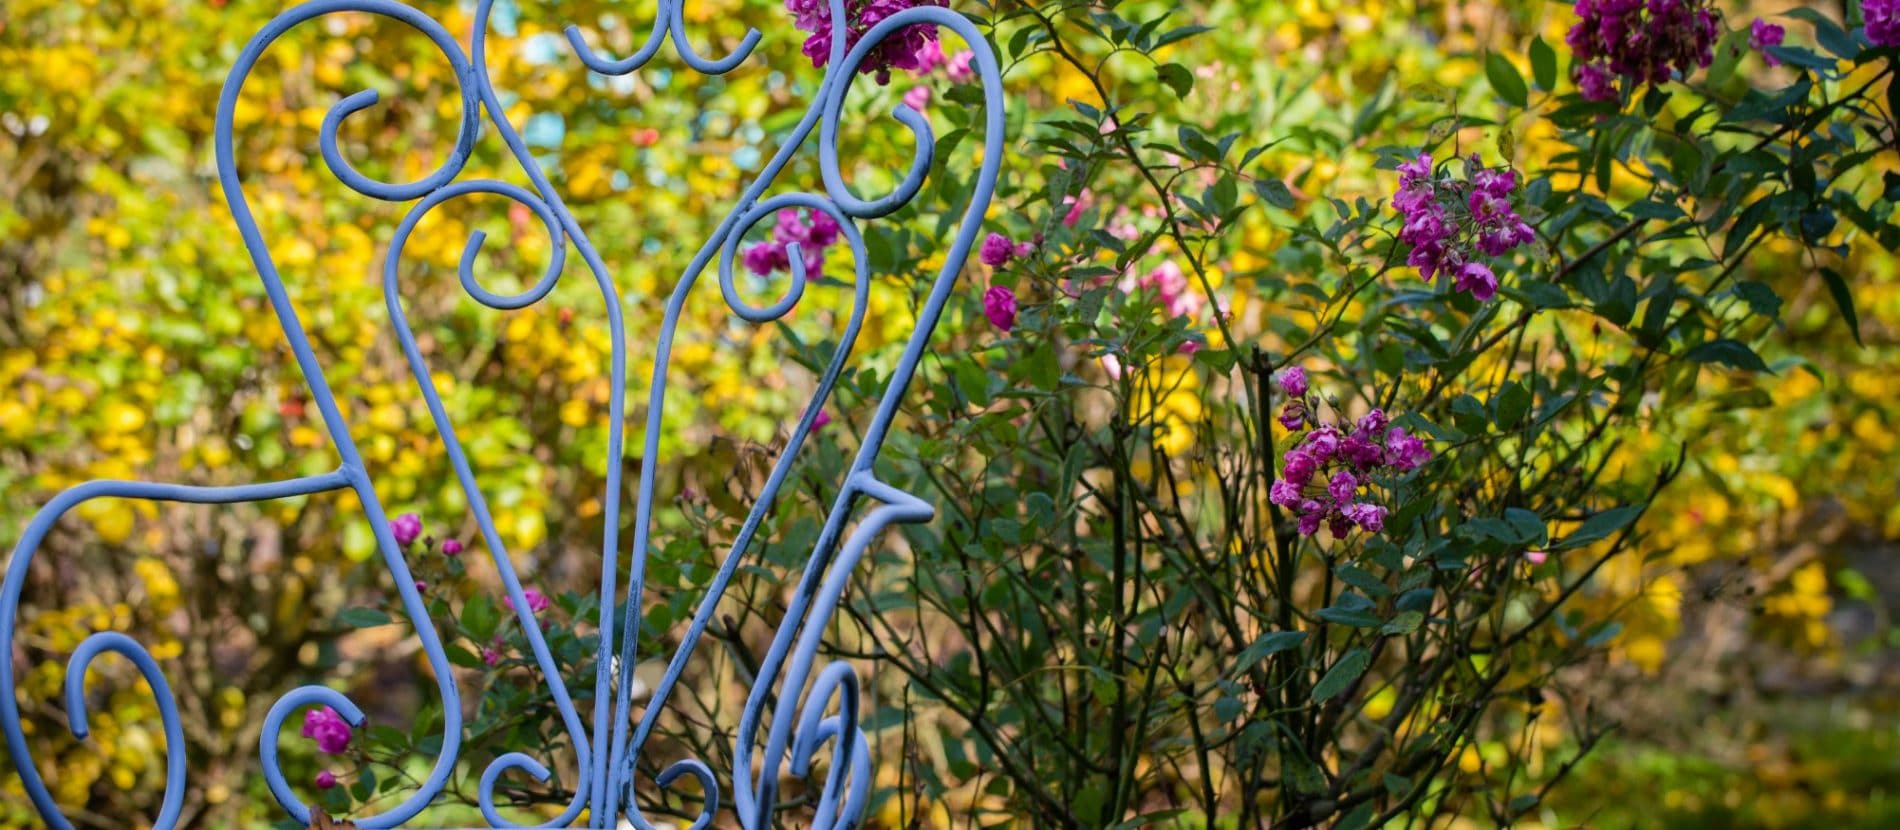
x: 813, y: 234
x: 999, y: 303
x: 904, y: 49
x: 1642, y: 41
x: 1449, y: 222
x: 1325, y: 475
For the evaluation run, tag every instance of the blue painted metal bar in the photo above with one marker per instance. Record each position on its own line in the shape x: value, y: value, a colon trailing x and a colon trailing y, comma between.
x: 607, y: 748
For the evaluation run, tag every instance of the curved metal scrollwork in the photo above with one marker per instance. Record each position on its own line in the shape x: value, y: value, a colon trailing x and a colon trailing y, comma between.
x: 794, y: 732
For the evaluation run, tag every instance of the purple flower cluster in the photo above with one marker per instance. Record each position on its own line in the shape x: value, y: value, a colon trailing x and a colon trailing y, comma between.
x: 327, y: 728
x: 1448, y: 222
x: 1324, y: 474
x: 1883, y: 21
x: 998, y: 250
x: 813, y: 235
x: 1644, y: 41
x: 904, y: 49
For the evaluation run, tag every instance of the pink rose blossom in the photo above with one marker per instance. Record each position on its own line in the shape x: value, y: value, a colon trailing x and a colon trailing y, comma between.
x: 1342, y: 487
x: 451, y: 547
x: 1292, y: 381
x: 999, y: 304
x: 1476, y: 279
x: 1077, y: 204
x: 997, y: 250
x: 959, y: 67
x: 1883, y: 22
x: 1293, y: 415
x: 325, y: 779
x: 766, y: 257
x: 1763, y: 34
x: 930, y: 56
x: 406, y: 528
x: 327, y: 728
x: 917, y: 98
x: 537, y: 601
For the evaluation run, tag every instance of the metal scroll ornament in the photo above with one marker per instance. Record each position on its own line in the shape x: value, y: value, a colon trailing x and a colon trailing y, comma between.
x: 606, y: 748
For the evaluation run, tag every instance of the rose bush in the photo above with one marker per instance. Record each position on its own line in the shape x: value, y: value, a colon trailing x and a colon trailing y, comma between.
x: 1347, y: 411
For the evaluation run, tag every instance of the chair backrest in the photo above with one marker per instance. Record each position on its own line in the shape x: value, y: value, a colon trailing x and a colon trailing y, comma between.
x: 606, y: 747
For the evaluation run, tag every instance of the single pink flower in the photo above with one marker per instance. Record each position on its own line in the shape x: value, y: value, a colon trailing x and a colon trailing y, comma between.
x: 1763, y: 34
x: 1536, y: 557
x: 421, y: 586
x: 490, y: 655
x: 406, y: 527
x: 1883, y: 21
x: 1077, y: 204
x: 958, y: 68
x: 327, y: 728
x: 1477, y: 278
x: 999, y: 304
x: 917, y: 98
x: 1292, y: 381
x: 930, y: 56
x: 997, y: 250
x: 823, y: 419
x: 537, y: 601
x: 1293, y: 415
x: 451, y: 547
x: 326, y: 779
x: 766, y: 257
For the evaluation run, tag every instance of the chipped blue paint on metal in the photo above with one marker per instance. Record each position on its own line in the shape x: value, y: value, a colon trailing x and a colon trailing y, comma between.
x: 607, y: 747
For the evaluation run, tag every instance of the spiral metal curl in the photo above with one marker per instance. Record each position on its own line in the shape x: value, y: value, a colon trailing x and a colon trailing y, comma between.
x: 605, y: 753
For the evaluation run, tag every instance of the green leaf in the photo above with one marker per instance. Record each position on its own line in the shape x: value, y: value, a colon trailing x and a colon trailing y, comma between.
x: 1728, y: 352
x: 1274, y: 192
x: 1505, y: 80
x: 1357, y: 818
x: 1530, y: 527
x: 1359, y: 578
x: 363, y: 617
x: 1351, y: 610
x: 1405, y: 622
x: 1177, y: 77
x: 1543, y: 64
x: 1843, y: 300
x: 1512, y: 401
x: 479, y: 618
x: 460, y: 656
x: 1827, y: 32
x: 1342, y: 675
x: 1600, y: 526
x: 1761, y: 299
x: 1182, y: 33
x: 1268, y: 644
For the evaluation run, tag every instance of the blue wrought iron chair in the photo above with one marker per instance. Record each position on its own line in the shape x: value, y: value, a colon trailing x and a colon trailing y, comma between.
x: 607, y: 748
